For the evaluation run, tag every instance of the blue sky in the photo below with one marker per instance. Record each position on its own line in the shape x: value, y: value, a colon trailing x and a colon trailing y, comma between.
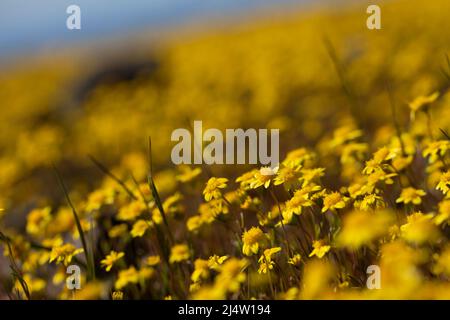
x: 28, y: 25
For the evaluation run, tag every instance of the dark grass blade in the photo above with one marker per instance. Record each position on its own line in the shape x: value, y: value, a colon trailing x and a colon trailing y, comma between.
x: 108, y: 172
x: 15, y: 271
x: 89, y: 261
x: 155, y: 191
x: 445, y: 133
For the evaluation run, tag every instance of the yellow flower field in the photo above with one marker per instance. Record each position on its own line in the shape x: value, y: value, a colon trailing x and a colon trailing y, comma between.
x: 363, y: 179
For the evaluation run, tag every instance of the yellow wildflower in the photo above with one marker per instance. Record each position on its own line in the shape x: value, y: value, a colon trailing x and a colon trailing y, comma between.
x: 399, y: 163
x: 334, y: 201
x: 265, y: 261
x: 153, y: 260
x: 139, y: 228
x: 37, y: 221
x: 371, y: 201
x: 125, y: 277
x: 291, y: 294
x: 215, y: 261
x: 320, y: 249
x: 295, y: 260
x: 436, y: 149
x: 179, y: 253
x: 252, y: 240
x: 118, y: 230
x: 444, y: 182
x: 444, y: 213
x: 380, y: 176
x: 317, y: 276
x: 442, y: 262
x: 194, y: 223
x: 111, y: 259
x: 171, y: 206
x: 213, y: 186
x: 343, y: 135
x: 188, y: 174
x: 311, y: 176
x: 295, y: 205
x: 201, y: 270
x: 288, y: 176
x: 361, y: 227
x: 411, y: 195
x: 145, y: 273
x: 422, y: 102
x: 420, y: 228
x: 263, y: 177
x: 298, y: 157
x: 131, y: 211
x: 34, y: 285
x: 231, y: 275
x: 64, y: 253
x: 246, y: 179
x: 353, y: 152
x: 98, y: 198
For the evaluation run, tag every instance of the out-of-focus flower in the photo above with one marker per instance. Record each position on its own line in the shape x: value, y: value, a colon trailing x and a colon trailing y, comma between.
x: 343, y: 135
x: 419, y: 228
x: 231, y: 275
x: 362, y: 227
x: 295, y: 260
x: 64, y: 253
x: 111, y: 259
x: 125, y: 277
x: 153, y: 260
x: 400, y: 274
x: 188, y: 174
x: 444, y: 213
x: 442, y: 262
x: 399, y: 163
x: 98, y: 198
x: 311, y: 176
x: 201, y: 270
x: 37, y: 221
x: 380, y: 176
x: 194, y: 223
x: 411, y: 195
x: 132, y: 211
x: 118, y: 230
x: 179, y: 253
x: 353, y: 152
x: 140, y: 227
x: 320, y: 249
x: 334, y: 201
x: 444, y: 182
x: 317, y: 276
x: 436, y: 149
x: 33, y: 284
x: 299, y: 157
x: 290, y: 294
x: 215, y: 261
x: 252, y: 240
x: 421, y: 103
